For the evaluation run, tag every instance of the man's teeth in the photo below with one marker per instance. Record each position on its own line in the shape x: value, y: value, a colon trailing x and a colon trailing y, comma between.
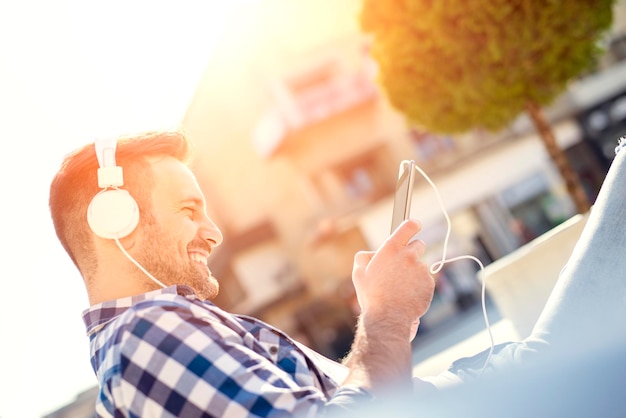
x: 198, y: 257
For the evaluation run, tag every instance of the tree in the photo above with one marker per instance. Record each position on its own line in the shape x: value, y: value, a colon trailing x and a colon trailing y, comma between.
x: 454, y: 65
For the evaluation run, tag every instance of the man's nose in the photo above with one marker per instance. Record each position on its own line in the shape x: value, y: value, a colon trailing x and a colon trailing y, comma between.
x: 210, y: 232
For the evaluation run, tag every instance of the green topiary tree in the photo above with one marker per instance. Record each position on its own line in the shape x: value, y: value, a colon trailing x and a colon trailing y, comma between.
x: 453, y: 65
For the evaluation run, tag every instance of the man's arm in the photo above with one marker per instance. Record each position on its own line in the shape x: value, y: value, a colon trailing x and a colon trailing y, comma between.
x: 394, y: 288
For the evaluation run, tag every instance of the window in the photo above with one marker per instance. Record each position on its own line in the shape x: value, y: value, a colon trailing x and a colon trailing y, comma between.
x: 429, y: 146
x: 356, y: 180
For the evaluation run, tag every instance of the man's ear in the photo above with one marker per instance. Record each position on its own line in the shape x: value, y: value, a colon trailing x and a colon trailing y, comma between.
x: 113, y: 213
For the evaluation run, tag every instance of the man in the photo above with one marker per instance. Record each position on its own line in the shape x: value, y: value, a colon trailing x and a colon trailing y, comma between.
x: 159, y: 347
x: 168, y: 352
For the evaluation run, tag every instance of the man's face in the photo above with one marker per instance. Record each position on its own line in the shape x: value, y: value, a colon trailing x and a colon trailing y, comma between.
x: 177, y: 239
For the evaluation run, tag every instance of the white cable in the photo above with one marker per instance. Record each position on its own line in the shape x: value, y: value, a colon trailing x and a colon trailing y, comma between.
x: 437, y: 266
x: 139, y: 266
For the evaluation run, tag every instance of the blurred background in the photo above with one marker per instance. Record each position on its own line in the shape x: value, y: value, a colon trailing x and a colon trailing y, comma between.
x: 297, y: 151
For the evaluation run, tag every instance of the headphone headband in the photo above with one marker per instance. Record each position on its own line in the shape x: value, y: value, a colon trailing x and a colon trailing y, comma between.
x: 109, y: 174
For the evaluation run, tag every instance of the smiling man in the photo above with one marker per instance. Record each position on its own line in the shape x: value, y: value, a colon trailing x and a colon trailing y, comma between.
x: 160, y: 347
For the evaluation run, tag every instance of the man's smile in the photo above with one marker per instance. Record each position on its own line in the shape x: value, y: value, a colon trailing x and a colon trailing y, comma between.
x: 199, y: 257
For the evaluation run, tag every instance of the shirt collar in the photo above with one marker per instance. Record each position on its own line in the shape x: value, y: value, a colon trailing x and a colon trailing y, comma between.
x: 102, y: 313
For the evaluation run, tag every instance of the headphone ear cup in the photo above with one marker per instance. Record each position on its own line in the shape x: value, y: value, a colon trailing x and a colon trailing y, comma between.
x: 113, y: 214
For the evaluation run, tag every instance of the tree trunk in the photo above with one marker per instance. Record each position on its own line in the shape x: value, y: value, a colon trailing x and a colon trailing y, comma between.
x: 572, y: 182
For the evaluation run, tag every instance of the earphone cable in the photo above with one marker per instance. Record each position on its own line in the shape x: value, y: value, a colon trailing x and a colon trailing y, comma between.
x: 139, y: 266
x: 437, y: 266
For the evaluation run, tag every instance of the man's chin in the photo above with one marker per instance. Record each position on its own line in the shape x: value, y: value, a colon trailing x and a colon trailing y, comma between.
x: 209, y: 290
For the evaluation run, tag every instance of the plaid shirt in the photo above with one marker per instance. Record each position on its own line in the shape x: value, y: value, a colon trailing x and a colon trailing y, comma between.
x: 168, y: 354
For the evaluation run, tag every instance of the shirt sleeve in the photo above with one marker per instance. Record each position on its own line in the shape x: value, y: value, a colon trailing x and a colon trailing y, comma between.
x: 175, y: 363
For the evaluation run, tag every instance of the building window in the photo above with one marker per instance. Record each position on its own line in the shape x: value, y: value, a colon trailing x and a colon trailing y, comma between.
x: 430, y: 146
x: 358, y: 182
x: 364, y: 178
x: 617, y: 47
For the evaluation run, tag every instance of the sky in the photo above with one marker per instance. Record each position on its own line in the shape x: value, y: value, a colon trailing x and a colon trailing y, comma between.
x: 71, y: 71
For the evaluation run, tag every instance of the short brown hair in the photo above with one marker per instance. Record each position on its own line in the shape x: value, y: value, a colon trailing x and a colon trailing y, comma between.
x: 76, y: 183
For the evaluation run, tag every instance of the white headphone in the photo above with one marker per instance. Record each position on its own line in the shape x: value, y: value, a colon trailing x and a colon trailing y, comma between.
x: 112, y: 213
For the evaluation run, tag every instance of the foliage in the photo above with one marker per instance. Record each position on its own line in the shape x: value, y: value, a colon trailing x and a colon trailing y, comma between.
x: 453, y: 65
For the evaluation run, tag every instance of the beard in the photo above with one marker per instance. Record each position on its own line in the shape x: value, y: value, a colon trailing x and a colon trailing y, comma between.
x: 161, y: 257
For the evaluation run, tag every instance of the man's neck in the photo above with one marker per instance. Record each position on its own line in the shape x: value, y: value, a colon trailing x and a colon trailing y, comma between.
x: 115, y: 284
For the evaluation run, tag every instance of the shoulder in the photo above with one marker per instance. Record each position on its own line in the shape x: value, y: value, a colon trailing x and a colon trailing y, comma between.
x: 175, y: 316
x: 154, y: 346
x: 158, y: 334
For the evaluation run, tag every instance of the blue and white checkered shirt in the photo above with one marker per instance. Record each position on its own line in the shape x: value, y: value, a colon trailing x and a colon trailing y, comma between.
x: 168, y: 354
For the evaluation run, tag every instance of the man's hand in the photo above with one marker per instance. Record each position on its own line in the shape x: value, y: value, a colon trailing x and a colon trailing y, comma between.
x: 394, y: 289
x: 393, y: 283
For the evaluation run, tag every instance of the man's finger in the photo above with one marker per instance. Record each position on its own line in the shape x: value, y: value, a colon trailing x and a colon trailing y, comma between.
x: 407, y: 230
x: 361, y: 258
x: 418, y: 246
